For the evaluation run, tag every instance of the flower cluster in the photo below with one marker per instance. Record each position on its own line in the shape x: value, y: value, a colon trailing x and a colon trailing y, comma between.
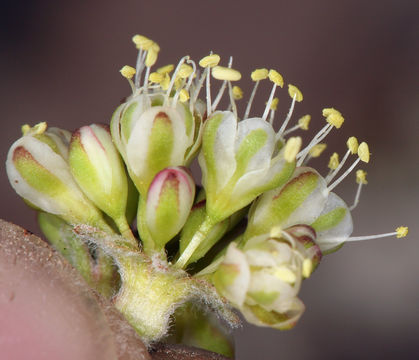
x: 257, y: 227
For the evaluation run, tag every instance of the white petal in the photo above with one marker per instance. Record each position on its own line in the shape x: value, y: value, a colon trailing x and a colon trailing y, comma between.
x: 331, y: 238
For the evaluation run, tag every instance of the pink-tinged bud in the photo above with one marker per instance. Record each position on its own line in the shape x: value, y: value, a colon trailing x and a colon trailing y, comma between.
x: 98, y: 169
x: 40, y: 174
x: 169, y: 201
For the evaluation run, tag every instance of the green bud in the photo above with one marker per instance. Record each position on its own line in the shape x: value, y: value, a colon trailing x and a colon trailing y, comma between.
x: 169, y: 201
x: 39, y: 173
x: 97, y: 168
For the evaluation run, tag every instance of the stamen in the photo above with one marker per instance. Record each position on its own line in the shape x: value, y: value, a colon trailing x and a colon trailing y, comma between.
x: 353, y: 147
x: 334, y: 161
x: 25, y: 129
x: 400, y: 232
x: 333, y: 117
x: 156, y: 78
x: 172, y: 80
x: 294, y: 92
x: 364, y: 152
x: 277, y: 79
x: 344, y: 175
x: 317, y: 150
x: 363, y: 155
x: 237, y: 93
x: 222, y: 88
x: 296, y: 95
x: 292, y: 147
x: 206, y: 62
x: 316, y: 139
x: 192, y: 74
x: 128, y: 72
x: 303, y: 123
x: 257, y: 75
x: 138, y: 66
x: 142, y: 42
x: 183, y: 95
x: 361, y: 180
x: 225, y: 73
x: 209, y: 61
x: 167, y: 69
x: 274, y: 106
x: 307, y: 268
x: 232, y: 102
x: 352, y: 144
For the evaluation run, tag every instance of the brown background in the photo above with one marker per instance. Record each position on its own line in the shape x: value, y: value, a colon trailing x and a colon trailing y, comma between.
x: 59, y: 63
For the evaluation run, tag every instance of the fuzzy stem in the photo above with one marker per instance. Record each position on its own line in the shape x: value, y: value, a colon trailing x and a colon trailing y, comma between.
x: 149, y: 295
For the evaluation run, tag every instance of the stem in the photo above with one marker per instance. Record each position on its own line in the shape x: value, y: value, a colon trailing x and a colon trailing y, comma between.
x: 196, y: 240
x: 148, y: 244
x: 125, y: 231
x: 149, y: 296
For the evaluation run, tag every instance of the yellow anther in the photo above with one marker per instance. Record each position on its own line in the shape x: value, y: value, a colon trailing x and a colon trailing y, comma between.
x: 333, y: 117
x: 224, y: 73
x: 165, y: 69
x: 156, y: 78
x: 209, y: 61
x: 237, y: 93
x: 292, y: 147
x: 151, y: 58
x: 40, y: 128
x: 293, y: 91
x: 155, y: 47
x: 307, y: 268
x: 274, y: 104
x: 166, y: 82
x: 361, y: 177
x: 285, y: 274
x: 275, y: 232
x: 364, y: 152
x: 259, y: 74
x: 276, y: 78
x: 127, y: 72
x: 334, y: 161
x: 317, y: 150
x: 185, y: 71
x: 352, y: 144
x: 330, y: 111
x: 304, y: 121
x: 25, y: 129
x: 142, y: 42
x: 183, y: 95
x: 402, y: 231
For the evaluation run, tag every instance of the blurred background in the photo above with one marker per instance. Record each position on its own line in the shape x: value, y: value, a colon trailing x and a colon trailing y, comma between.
x: 59, y: 63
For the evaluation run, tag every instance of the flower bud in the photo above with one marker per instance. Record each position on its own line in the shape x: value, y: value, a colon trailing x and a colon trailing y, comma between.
x: 169, y: 201
x: 262, y: 278
x: 39, y: 173
x: 151, y: 136
x: 97, y: 168
x: 239, y: 162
